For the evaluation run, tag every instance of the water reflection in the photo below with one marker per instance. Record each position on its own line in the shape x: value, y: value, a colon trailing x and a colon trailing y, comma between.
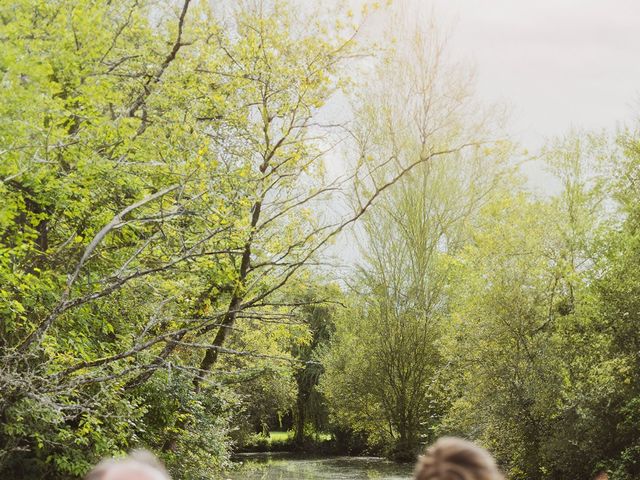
x: 288, y: 467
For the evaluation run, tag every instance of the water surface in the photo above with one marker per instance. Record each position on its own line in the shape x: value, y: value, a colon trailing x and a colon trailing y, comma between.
x: 290, y: 467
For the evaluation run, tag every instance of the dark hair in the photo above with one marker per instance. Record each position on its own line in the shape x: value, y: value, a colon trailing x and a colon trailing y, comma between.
x: 456, y: 459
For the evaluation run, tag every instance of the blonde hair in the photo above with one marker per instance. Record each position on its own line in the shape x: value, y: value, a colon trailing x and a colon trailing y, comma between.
x: 456, y: 459
x: 141, y: 461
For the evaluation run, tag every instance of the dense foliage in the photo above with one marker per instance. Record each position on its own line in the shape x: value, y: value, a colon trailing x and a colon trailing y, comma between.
x: 532, y: 337
x: 173, y: 176
x: 159, y: 164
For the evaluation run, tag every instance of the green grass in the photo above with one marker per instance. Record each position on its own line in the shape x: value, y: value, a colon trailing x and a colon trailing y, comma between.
x: 281, y: 441
x: 280, y: 437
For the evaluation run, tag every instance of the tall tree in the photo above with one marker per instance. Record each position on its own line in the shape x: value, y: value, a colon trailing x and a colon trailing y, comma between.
x: 521, y: 343
x: 400, y: 294
x: 317, y: 312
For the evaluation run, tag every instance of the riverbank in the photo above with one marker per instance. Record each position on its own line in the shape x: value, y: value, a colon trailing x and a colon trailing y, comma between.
x: 278, y: 441
x: 321, y: 443
x: 301, y: 466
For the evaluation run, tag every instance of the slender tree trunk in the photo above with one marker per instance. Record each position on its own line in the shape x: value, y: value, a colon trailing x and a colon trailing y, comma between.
x: 300, y: 419
x: 211, y: 354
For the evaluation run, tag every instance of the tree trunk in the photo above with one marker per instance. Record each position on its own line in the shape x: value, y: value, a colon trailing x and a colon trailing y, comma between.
x: 300, y: 419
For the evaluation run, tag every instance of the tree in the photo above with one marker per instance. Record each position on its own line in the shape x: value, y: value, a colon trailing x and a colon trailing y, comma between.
x: 143, y: 144
x: 100, y: 183
x: 399, y: 302
x: 522, y: 343
x: 317, y: 312
x: 503, y: 346
x: 606, y: 410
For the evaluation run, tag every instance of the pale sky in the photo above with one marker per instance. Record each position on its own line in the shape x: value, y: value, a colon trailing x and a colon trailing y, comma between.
x: 558, y: 63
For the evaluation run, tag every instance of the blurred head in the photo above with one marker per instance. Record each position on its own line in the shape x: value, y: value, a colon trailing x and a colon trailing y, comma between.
x: 456, y: 459
x: 139, y: 465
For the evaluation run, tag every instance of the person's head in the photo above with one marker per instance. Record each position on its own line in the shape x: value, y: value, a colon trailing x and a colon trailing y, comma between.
x: 139, y: 465
x: 456, y: 459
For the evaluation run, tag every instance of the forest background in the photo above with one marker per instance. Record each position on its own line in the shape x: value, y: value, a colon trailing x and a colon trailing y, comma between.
x: 182, y: 182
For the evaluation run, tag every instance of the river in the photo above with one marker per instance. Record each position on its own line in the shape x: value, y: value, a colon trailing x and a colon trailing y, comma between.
x: 290, y: 467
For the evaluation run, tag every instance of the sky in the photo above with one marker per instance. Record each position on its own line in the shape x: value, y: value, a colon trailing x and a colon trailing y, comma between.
x: 556, y: 63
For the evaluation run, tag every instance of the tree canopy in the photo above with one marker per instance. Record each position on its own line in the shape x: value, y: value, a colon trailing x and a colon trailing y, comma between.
x: 176, y: 182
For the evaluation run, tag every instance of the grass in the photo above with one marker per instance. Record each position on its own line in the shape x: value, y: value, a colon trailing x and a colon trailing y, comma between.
x: 280, y: 441
x: 280, y: 437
